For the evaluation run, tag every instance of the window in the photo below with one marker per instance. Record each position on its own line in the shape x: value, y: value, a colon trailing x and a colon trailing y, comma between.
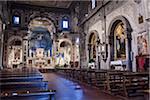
x: 65, y: 24
x: 16, y: 20
x: 93, y: 2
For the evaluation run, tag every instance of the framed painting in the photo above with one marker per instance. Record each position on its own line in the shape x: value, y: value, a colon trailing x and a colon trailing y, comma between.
x: 142, y: 43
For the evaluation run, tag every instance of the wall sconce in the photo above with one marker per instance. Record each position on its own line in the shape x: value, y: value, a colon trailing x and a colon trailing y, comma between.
x: 102, y: 49
x: 104, y: 52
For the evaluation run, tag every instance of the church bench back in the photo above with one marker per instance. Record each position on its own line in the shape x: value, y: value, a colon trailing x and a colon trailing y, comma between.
x: 28, y: 95
x: 135, y: 83
x: 114, y: 82
x: 17, y: 86
x: 100, y: 78
x: 21, y: 79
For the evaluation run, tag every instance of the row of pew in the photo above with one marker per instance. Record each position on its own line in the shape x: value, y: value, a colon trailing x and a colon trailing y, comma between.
x: 122, y: 83
x: 24, y: 84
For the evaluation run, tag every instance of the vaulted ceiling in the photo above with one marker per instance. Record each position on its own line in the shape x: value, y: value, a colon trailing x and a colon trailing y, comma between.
x: 47, y: 3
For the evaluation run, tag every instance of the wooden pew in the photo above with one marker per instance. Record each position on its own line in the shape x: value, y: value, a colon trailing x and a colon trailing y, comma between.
x: 122, y: 83
x: 60, y: 71
x: 83, y: 74
x: 72, y: 73
x: 24, y: 84
x: 127, y: 84
x: 29, y: 95
x: 16, y: 86
x: 100, y: 76
x: 136, y: 83
x: 77, y: 74
x: 20, y: 75
x: 91, y: 78
x: 19, y: 70
x: 21, y: 79
x: 114, y: 82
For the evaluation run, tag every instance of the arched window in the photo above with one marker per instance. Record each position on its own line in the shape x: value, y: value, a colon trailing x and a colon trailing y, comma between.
x: 65, y: 23
x: 119, y: 42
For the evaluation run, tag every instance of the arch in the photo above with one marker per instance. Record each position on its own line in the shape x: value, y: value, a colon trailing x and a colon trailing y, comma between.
x: 17, y: 52
x: 64, y: 43
x: 64, y: 51
x: 64, y: 40
x: 48, y: 23
x: 14, y: 38
x: 42, y: 15
x: 127, y: 40
x: 41, y: 39
x: 116, y: 20
x: 88, y: 35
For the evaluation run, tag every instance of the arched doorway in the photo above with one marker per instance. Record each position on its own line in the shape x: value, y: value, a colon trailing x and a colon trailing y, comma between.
x: 120, y: 43
x: 64, y: 53
x: 41, y: 48
x: 14, y: 49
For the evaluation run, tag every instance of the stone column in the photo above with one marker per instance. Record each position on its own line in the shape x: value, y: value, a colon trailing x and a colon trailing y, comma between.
x: 1, y: 46
x: 1, y: 50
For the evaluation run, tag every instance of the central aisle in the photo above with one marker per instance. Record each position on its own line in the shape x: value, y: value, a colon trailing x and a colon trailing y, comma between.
x: 69, y: 90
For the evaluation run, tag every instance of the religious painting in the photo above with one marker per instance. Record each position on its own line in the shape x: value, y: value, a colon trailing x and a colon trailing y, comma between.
x: 40, y: 38
x: 142, y: 43
x: 120, y: 41
x: 17, y: 53
x: 142, y: 46
x: 92, y: 46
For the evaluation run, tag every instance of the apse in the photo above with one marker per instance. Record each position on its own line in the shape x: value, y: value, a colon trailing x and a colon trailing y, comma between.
x: 40, y: 38
x: 41, y: 46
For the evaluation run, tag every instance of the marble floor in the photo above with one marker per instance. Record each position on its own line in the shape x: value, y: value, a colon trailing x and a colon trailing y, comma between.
x: 69, y: 90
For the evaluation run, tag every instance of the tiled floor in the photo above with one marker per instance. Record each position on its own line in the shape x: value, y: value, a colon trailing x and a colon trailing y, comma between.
x: 69, y: 90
